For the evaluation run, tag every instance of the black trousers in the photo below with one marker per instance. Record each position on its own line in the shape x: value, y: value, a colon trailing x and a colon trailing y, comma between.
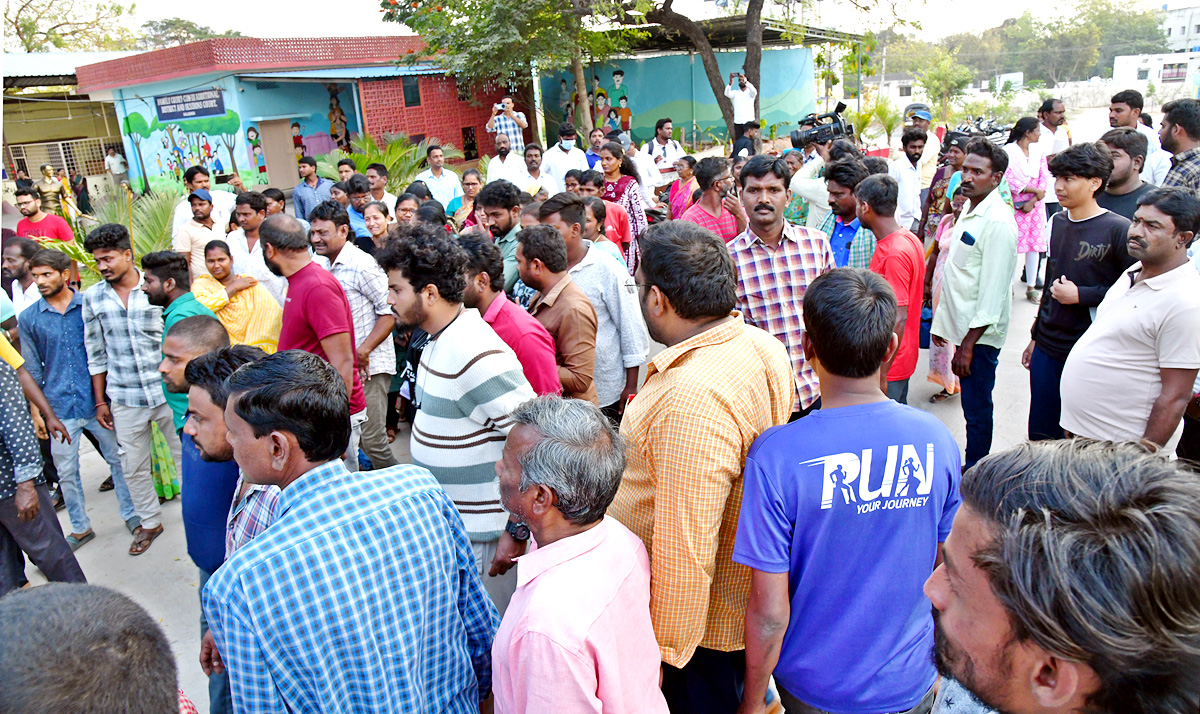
x: 613, y: 412
x: 710, y: 683
x: 1189, y: 443
x: 738, y: 130
x: 41, y: 539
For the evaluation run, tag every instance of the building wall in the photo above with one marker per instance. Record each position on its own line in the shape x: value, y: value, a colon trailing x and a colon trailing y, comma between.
x: 1174, y: 75
x: 1181, y: 25
x: 675, y: 86
x: 441, y: 114
x: 313, y: 106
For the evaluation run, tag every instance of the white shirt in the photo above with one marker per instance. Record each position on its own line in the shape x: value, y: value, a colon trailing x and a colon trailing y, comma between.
x: 224, y: 204
x: 908, y: 202
x: 557, y: 162
x: 249, y: 261
x: 671, y: 152
x: 444, y: 189
x: 1112, y: 375
x: 525, y: 181
x: 115, y: 164
x: 1158, y: 160
x: 22, y: 299
x: 651, y: 176
x: 742, y: 101
x: 1053, y: 142
x: 389, y: 200
x: 509, y: 168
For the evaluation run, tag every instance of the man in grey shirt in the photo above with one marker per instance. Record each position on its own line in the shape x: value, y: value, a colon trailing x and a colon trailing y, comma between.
x: 622, y: 343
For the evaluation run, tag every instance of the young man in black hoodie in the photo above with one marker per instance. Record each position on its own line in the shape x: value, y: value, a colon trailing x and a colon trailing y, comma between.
x: 1088, y: 252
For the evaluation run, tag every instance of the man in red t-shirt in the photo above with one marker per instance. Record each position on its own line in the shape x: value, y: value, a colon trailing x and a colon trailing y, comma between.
x: 316, y: 313
x: 900, y: 260
x: 718, y: 209
x: 35, y: 222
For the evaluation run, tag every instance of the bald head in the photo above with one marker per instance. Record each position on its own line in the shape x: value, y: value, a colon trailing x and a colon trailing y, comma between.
x: 200, y: 333
x: 283, y: 232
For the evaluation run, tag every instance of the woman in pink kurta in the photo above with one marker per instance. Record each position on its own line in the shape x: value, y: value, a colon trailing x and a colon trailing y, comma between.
x: 622, y: 186
x: 940, y: 356
x: 1029, y: 179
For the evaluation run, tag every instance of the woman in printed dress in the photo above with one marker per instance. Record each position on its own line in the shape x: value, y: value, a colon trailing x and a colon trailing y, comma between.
x: 940, y: 356
x: 623, y: 187
x: 1029, y: 179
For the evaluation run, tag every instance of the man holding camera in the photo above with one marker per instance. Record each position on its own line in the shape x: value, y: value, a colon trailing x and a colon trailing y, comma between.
x: 505, y: 120
x: 742, y: 98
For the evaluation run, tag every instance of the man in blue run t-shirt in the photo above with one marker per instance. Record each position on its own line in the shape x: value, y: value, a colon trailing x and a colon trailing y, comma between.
x: 846, y: 509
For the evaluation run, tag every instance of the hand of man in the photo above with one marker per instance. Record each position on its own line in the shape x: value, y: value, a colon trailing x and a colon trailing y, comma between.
x: 104, y: 416
x: 26, y: 501
x: 39, y: 424
x: 734, y: 206
x: 1027, y: 355
x: 1028, y: 206
x: 210, y: 658
x: 507, y: 550
x: 823, y: 150
x: 1064, y: 291
x: 58, y: 430
x: 939, y: 341
x: 961, y: 364
x: 364, y: 356
x: 236, y: 182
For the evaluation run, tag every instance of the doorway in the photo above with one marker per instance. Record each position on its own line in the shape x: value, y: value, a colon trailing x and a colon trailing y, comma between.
x: 280, y: 153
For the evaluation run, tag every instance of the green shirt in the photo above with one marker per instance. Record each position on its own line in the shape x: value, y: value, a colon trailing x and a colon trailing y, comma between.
x: 508, y: 251
x: 183, y: 306
x: 977, y: 286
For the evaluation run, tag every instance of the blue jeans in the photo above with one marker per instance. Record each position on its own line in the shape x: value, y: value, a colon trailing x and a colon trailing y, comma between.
x: 220, y: 699
x: 66, y: 460
x: 977, y: 402
x: 1045, y: 401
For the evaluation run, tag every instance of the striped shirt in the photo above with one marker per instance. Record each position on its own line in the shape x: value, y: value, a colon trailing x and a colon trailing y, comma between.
x: 125, y: 342
x: 468, y: 383
x: 249, y: 515
x: 704, y: 402
x: 251, y: 316
x: 366, y: 289
x: 770, y: 292
x: 724, y: 226
x: 363, y: 595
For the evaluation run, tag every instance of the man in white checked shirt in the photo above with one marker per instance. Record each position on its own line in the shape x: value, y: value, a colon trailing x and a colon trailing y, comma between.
x: 508, y: 121
x: 366, y: 289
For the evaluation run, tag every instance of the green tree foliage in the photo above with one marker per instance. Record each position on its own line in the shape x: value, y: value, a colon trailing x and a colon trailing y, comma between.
x: 136, y: 128
x: 403, y: 159
x: 173, y: 31
x: 226, y: 127
x: 73, y: 25
x: 1080, y: 45
x: 944, y: 81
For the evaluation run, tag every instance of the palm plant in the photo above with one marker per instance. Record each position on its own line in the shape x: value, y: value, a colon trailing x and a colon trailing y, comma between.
x: 890, y: 118
x: 403, y: 159
x: 149, y: 219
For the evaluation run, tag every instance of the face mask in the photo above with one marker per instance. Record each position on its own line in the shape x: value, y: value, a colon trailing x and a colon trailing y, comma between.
x: 566, y: 144
x: 502, y: 151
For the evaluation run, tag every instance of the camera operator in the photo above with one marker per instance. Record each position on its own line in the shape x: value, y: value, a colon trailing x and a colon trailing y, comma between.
x: 506, y: 120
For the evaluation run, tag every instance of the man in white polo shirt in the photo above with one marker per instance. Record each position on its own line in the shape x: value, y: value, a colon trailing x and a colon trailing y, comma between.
x: 741, y: 95
x: 1130, y: 376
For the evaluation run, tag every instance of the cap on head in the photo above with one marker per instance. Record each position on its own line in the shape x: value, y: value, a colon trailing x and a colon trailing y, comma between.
x: 201, y: 193
x: 922, y: 114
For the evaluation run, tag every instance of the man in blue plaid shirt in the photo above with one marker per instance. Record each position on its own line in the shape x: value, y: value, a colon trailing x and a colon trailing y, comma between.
x: 507, y: 120
x: 363, y: 595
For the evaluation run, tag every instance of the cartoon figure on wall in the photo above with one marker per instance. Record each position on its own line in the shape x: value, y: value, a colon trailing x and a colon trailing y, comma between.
x: 254, y: 142
x: 337, y: 118
x: 618, y: 91
x: 625, y: 114
x: 261, y: 161
x: 297, y: 139
x: 601, y: 107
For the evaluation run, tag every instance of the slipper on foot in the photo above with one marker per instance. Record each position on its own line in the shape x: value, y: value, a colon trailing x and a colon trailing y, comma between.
x: 77, y: 539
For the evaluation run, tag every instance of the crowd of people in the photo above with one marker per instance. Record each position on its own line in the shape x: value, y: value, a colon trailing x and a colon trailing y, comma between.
x: 645, y: 418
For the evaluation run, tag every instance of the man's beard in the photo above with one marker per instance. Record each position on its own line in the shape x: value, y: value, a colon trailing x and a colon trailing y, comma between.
x: 411, y: 317
x: 954, y: 663
x: 273, y: 266
x: 222, y: 456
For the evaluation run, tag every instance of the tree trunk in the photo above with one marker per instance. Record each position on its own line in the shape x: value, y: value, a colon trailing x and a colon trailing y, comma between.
x: 137, y: 146
x: 229, y: 147
x: 667, y: 17
x: 753, y: 66
x: 583, y: 112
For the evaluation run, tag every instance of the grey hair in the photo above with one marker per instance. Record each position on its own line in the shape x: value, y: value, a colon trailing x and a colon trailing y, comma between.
x: 1096, y: 558
x: 580, y: 456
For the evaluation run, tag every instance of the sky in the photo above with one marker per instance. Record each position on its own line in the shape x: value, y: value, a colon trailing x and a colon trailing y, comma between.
x: 938, y: 18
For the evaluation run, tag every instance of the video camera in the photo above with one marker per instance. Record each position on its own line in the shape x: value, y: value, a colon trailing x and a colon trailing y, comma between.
x: 828, y: 127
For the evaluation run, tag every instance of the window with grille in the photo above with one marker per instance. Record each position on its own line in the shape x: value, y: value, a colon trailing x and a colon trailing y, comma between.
x: 1174, y: 72
x: 412, y: 91
x: 906, y: 90
x: 1143, y: 74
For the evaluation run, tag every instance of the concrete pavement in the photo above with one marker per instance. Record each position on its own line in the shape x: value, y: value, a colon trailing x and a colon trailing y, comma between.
x: 164, y: 579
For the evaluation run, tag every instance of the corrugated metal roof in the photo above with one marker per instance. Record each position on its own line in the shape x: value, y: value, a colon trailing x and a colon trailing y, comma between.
x: 54, y: 64
x: 374, y: 71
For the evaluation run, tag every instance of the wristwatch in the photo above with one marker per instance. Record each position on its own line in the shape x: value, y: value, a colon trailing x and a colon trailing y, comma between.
x: 519, y: 531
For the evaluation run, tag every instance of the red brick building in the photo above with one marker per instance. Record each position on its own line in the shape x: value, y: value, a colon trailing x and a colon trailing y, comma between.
x: 255, y: 105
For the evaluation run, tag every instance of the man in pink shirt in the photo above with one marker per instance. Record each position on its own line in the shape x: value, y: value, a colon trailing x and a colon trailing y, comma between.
x: 519, y: 330
x: 718, y: 209
x: 577, y: 635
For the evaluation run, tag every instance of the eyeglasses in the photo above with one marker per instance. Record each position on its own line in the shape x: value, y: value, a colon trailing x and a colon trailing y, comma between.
x: 632, y: 287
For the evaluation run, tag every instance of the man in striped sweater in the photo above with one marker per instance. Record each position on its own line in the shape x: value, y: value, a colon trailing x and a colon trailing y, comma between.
x: 468, y: 383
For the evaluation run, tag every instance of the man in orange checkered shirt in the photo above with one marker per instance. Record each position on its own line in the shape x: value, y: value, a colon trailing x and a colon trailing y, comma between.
x: 718, y: 385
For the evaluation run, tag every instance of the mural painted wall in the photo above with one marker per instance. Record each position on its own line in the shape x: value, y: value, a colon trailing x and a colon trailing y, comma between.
x: 632, y: 94
x: 322, y: 114
x: 169, y: 127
